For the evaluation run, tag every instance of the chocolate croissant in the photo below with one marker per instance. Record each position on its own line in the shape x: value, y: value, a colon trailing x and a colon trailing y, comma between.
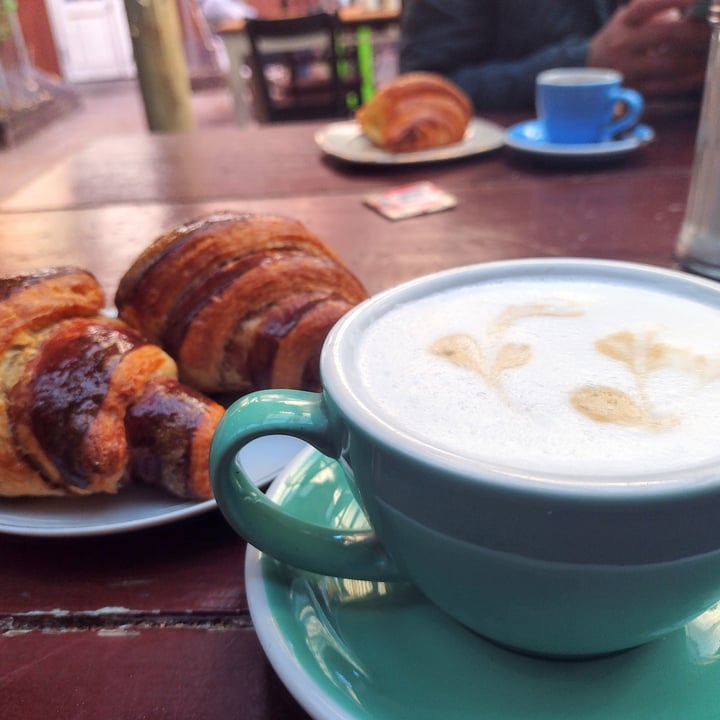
x: 73, y: 384
x: 416, y: 111
x: 240, y: 301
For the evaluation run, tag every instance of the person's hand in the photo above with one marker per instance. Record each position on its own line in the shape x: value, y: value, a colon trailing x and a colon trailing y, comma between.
x: 658, y: 49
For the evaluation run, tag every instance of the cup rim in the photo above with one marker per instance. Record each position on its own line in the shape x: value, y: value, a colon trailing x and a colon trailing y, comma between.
x: 341, y: 388
x: 591, y: 75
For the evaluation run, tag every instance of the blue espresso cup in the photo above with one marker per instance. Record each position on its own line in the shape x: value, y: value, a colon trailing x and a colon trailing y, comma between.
x: 580, y: 105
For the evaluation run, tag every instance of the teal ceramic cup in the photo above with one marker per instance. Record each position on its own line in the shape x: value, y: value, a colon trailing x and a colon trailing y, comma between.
x: 578, y: 105
x: 576, y: 512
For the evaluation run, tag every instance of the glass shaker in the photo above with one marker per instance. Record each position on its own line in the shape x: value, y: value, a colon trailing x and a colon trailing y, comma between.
x: 698, y: 245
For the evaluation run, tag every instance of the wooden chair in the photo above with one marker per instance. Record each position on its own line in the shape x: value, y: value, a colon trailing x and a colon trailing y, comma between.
x: 298, y: 71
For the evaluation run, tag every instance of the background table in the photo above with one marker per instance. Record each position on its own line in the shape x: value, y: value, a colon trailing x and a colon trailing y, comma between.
x: 237, y: 46
x: 154, y: 623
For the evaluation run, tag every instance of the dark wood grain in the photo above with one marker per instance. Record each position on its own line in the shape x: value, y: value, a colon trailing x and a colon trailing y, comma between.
x: 625, y: 215
x: 230, y: 164
x: 135, y: 673
x: 193, y: 566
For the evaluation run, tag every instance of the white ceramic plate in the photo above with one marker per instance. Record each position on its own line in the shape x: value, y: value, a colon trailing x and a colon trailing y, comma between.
x: 529, y: 137
x: 136, y: 508
x: 346, y: 141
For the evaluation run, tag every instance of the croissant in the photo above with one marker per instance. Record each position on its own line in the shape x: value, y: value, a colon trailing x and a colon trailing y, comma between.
x: 416, y: 111
x: 240, y: 301
x: 80, y: 392
x: 169, y: 429
x: 34, y: 299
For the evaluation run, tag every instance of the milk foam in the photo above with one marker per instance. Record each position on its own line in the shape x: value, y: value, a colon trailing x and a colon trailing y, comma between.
x: 564, y: 376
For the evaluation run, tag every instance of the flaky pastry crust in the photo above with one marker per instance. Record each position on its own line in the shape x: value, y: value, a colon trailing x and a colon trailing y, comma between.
x: 73, y: 382
x: 416, y: 111
x: 241, y: 301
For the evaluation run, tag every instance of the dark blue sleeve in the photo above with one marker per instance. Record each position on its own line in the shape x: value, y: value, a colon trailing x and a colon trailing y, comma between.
x: 504, y: 85
x: 493, y: 49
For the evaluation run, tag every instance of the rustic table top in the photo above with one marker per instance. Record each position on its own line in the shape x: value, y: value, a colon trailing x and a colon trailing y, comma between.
x: 154, y: 623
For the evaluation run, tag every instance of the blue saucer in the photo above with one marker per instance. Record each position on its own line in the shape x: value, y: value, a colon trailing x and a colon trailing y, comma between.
x: 529, y: 137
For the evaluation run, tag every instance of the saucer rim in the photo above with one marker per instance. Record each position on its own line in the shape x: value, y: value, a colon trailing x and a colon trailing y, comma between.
x: 276, y: 628
x: 639, y: 136
x: 293, y: 673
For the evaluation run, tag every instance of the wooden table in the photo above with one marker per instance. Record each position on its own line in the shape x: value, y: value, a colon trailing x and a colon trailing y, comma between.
x: 155, y: 623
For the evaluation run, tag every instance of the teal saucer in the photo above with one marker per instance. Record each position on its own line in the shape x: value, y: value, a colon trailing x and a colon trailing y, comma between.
x: 351, y: 650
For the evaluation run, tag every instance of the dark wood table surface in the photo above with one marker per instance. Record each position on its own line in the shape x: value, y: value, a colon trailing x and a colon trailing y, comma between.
x: 154, y: 623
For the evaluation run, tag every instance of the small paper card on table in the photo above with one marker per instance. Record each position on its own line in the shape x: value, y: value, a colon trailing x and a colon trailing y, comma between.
x: 409, y: 200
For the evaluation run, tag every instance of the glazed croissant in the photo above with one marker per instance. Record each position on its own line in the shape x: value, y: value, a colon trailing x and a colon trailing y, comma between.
x: 241, y: 302
x: 87, y: 405
x: 416, y: 111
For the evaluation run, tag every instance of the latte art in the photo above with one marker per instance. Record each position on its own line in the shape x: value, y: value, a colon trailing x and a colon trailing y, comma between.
x: 495, y: 356
x: 571, y: 377
x: 642, y: 353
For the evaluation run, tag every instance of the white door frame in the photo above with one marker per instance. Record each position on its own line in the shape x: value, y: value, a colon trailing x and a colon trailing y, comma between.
x: 92, y: 39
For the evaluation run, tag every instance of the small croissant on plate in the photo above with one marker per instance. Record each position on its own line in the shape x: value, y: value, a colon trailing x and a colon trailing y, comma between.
x: 87, y: 404
x: 416, y: 111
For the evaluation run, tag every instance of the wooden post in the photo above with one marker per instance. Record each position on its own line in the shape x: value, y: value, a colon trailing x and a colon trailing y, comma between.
x: 161, y: 66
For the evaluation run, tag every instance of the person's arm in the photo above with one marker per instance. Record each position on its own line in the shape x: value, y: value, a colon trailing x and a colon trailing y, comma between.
x: 504, y: 85
x: 465, y: 40
x: 493, y: 49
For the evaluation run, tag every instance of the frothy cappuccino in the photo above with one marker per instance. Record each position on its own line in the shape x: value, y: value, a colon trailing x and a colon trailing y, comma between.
x: 583, y: 377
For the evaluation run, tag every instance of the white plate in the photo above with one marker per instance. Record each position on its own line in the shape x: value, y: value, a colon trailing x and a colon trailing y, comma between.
x: 346, y: 141
x: 529, y: 137
x: 136, y: 508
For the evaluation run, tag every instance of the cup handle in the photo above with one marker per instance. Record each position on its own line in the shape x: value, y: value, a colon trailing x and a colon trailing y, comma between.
x: 633, y: 104
x: 263, y: 523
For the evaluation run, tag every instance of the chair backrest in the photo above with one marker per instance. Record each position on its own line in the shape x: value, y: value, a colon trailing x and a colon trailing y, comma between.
x: 296, y: 48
